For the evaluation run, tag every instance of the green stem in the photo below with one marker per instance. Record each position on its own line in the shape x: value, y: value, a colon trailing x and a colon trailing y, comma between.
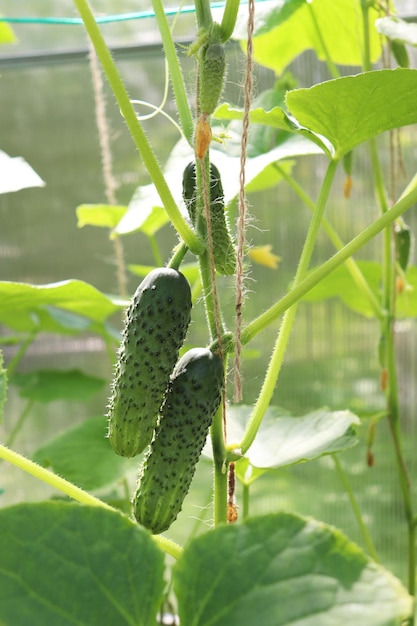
x: 366, y: 62
x: 351, y: 265
x: 334, y: 72
x: 220, y: 493
x: 205, y: 276
x: 73, y: 492
x: 203, y: 13
x: 175, y: 72
x: 245, y: 501
x: 228, y: 22
x: 18, y: 426
x: 155, y: 250
x: 135, y: 128
x: 14, y: 362
x: 298, y: 291
x: 281, y: 343
x: 355, y: 508
x: 177, y: 258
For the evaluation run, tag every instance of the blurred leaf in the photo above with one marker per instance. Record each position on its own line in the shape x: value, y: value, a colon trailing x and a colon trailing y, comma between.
x: 105, y: 215
x: 145, y: 213
x: 284, y: 30
x: 50, y: 385
x: 84, y: 456
x: 3, y: 386
x: 397, y: 29
x: 15, y: 173
x: 340, y: 284
x: 282, y: 569
x: 26, y: 307
x: 6, y: 34
x: 350, y: 110
x: 66, y: 564
x: 247, y: 473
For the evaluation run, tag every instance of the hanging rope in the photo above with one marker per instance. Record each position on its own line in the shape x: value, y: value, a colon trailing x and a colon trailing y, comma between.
x: 241, y: 225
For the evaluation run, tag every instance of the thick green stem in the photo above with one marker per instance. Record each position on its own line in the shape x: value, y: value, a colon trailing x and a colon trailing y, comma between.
x: 281, y: 343
x: 228, y: 22
x: 220, y: 493
x: 177, y: 80
x: 135, y: 128
x: 356, y: 510
x: 298, y: 291
x: 177, y: 258
x: 203, y: 13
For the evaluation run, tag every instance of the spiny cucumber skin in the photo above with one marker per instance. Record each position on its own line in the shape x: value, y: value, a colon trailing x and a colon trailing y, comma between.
x: 223, y: 247
x: 213, y: 67
x: 156, y: 325
x: 193, y: 397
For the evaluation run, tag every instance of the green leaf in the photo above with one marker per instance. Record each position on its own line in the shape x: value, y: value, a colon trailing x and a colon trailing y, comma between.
x: 6, y: 33
x: 397, y: 30
x: 84, y: 456
x: 283, y: 440
x: 282, y: 570
x: 50, y: 385
x: 350, y: 110
x: 322, y: 25
x: 3, y: 386
x: 104, y: 215
x: 340, y: 284
x: 66, y: 564
x: 26, y: 307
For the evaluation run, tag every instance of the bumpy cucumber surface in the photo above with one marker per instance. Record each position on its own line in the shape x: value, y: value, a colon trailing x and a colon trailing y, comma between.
x: 223, y: 248
x: 155, y: 328
x: 192, y: 399
x: 213, y: 66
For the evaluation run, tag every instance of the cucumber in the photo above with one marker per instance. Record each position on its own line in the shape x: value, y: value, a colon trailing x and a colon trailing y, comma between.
x: 403, y: 240
x: 193, y: 397
x: 223, y: 247
x: 155, y: 328
x: 213, y: 67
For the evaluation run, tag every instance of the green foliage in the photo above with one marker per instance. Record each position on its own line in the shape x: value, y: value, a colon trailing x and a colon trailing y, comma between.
x: 3, y: 386
x: 50, y: 385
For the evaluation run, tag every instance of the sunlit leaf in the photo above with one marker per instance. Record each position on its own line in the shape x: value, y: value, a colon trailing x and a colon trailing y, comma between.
x: 15, y: 173
x: 25, y: 307
x: 104, y: 215
x: 84, y: 456
x: 397, y: 29
x: 283, y: 569
x: 350, y: 110
x: 65, y: 564
x: 50, y: 385
x: 327, y: 27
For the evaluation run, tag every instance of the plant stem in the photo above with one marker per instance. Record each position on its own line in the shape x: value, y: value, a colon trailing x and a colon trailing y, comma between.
x: 220, y: 493
x: 245, y: 501
x: 135, y: 128
x: 18, y: 426
x: 177, y: 258
x: 298, y: 291
x: 228, y: 22
x: 175, y: 72
x: 73, y: 492
x: 281, y: 343
x: 203, y: 13
x: 14, y: 361
x: 351, y: 265
x: 355, y: 508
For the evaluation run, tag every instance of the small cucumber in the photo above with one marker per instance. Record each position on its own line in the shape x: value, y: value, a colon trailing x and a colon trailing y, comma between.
x: 223, y: 248
x: 155, y: 328
x: 403, y: 240
x: 193, y: 397
x: 213, y: 66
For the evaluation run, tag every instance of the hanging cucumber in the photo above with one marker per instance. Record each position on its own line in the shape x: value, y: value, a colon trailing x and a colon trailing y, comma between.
x: 223, y: 247
x: 155, y: 328
x: 212, y: 72
x: 192, y: 399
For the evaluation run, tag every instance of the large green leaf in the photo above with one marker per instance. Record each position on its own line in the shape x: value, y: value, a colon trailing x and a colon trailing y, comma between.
x: 50, y: 385
x: 340, y: 284
x: 328, y: 27
x: 65, y: 564
x: 350, y: 110
x: 84, y: 456
x: 284, y: 570
x: 104, y: 215
x: 283, y: 440
x: 26, y: 307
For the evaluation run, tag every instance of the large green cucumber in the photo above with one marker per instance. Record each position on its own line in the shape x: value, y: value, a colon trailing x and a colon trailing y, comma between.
x: 155, y: 328
x: 223, y: 248
x: 193, y: 397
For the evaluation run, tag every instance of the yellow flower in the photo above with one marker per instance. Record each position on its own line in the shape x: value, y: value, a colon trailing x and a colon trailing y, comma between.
x: 263, y: 256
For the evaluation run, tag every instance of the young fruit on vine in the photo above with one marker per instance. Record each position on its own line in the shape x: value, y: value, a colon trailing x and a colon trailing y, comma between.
x: 192, y: 399
x: 155, y: 328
